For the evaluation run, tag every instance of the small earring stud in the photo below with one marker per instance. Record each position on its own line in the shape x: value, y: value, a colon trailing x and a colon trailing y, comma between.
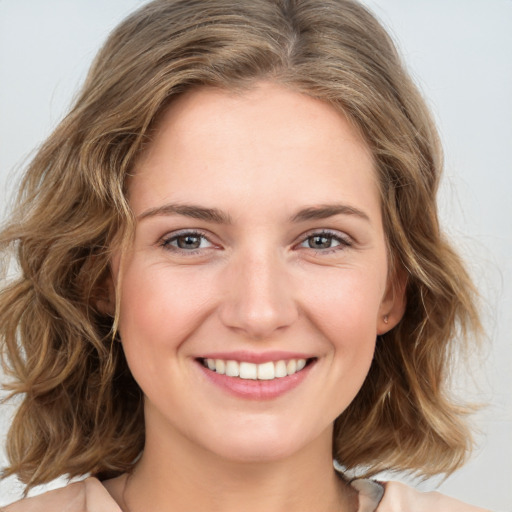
x: 386, y: 319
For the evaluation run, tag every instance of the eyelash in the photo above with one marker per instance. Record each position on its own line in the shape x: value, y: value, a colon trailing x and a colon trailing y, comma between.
x: 343, y: 241
x: 167, y: 240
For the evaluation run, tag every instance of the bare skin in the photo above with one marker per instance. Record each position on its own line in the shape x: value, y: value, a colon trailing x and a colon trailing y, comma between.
x: 399, y: 497
x: 248, y: 268
x: 252, y: 285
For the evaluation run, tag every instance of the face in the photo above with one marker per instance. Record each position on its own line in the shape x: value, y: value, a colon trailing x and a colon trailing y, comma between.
x: 258, y: 279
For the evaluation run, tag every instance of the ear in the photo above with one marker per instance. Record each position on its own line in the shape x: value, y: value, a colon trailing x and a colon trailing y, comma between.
x: 394, y: 301
x: 105, y: 296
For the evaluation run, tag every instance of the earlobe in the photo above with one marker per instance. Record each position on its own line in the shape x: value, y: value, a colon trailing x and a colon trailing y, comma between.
x: 393, y: 304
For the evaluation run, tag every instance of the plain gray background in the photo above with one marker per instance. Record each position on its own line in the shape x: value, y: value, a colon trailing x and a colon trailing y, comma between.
x: 460, y: 53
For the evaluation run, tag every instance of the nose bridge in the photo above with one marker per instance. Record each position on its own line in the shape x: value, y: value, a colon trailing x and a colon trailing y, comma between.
x: 259, y: 296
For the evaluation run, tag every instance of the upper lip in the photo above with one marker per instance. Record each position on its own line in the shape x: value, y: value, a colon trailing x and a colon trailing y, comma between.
x: 256, y: 357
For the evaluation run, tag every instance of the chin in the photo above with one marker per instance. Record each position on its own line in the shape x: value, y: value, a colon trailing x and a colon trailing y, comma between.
x: 258, y: 452
x: 265, y: 444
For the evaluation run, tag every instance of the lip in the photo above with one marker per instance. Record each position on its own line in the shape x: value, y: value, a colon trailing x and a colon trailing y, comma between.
x: 256, y: 389
x: 256, y: 357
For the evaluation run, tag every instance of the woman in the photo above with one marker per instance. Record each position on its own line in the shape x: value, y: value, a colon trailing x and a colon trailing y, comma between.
x: 232, y: 272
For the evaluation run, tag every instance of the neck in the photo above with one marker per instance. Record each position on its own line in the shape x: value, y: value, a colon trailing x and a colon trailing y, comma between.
x: 182, y: 476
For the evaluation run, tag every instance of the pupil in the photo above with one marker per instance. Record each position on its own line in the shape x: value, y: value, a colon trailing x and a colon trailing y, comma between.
x: 189, y: 242
x: 320, y: 242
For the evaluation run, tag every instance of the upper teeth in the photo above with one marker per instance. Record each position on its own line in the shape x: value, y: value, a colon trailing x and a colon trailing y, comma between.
x: 263, y: 371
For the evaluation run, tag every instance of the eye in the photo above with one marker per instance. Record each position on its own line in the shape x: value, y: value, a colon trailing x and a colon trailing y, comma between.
x: 186, y: 241
x: 325, y: 241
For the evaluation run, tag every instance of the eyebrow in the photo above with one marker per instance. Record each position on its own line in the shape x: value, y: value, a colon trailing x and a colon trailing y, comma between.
x: 196, y: 212
x: 219, y: 217
x: 328, y: 210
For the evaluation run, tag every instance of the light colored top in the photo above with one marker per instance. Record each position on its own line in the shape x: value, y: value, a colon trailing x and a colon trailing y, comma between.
x: 90, y: 496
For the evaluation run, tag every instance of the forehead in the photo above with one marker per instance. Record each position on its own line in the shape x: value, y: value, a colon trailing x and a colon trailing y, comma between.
x: 195, y: 112
x: 267, y: 141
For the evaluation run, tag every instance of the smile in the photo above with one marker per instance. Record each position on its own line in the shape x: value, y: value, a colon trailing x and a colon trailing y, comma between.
x: 251, y: 371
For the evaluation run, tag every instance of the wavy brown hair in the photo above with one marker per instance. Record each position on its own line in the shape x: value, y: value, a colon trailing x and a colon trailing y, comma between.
x: 81, y: 411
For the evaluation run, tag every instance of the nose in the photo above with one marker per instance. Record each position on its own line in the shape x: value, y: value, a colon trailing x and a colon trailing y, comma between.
x: 258, y: 297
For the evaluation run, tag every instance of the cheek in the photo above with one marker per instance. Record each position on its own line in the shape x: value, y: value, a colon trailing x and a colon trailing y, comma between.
x: 345, y: 301
x: 346, y: 313
x: 159, y: 301
x: 159, y: 310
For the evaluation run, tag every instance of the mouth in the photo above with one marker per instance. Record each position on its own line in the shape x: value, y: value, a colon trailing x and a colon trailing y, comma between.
x: 266, y: 371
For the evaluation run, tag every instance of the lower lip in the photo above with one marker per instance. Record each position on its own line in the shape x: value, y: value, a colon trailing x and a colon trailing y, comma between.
x: 256, y: 389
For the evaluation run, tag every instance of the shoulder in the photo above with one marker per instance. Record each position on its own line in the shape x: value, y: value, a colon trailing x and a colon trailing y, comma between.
x: 86, y: 496
x: 399, y: 497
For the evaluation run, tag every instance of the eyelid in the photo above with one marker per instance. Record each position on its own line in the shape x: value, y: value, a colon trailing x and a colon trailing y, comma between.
x: 165, y: 241
x: 344, y: 239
